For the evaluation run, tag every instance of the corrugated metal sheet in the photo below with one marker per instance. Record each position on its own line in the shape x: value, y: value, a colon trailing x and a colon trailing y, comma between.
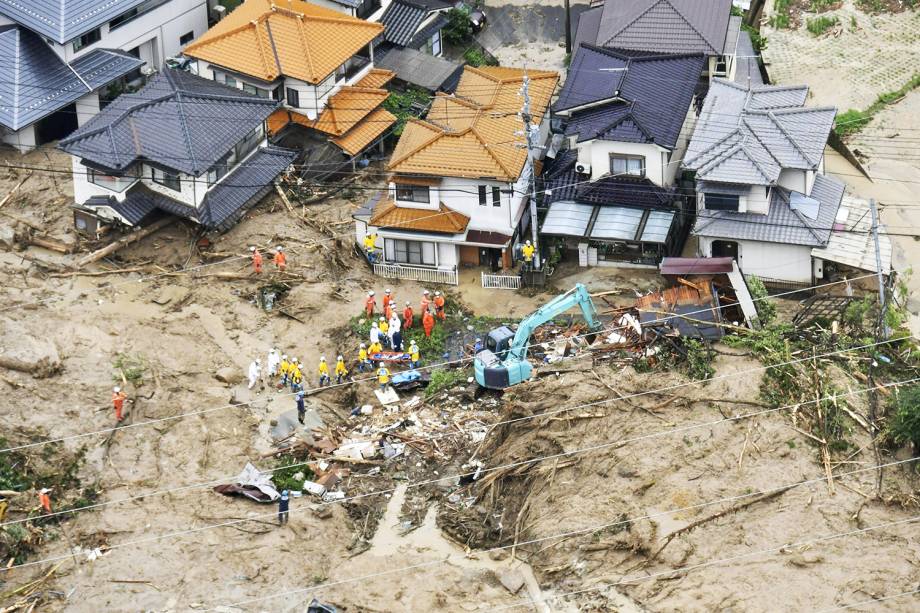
x: 852, y: 243
x: 695, y: 266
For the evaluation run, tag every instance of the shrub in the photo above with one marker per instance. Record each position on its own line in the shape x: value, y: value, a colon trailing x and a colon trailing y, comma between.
x: 444, y: 379
x: 766, y: 310
x: 402, y: 104
x: 905, y: 420
x: 820, y: 25
x: 477, y: 57
x: 458, y: 29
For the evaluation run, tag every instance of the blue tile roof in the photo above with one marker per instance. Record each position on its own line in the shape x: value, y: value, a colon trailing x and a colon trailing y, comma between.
x: 64, y: 20
x: 36, y: 82
x: 178, y: 120
x: 632, y: 96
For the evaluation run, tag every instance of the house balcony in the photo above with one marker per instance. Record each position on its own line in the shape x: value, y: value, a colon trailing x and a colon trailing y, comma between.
x: 356, y: 68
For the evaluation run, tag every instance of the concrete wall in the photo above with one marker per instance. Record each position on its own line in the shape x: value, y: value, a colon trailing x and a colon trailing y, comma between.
x: 770, y: 260
x: 165, y: 24
x: 597, y: 154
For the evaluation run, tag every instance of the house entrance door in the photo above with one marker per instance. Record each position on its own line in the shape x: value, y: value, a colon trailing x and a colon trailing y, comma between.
x: 491, y: 258
x: 725, y: 249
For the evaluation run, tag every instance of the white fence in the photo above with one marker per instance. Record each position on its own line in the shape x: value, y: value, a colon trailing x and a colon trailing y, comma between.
x: 416, y: 273
x: 501, y: 281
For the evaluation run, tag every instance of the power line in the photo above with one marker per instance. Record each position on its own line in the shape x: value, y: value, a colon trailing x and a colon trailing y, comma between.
x: 870, y: 602
x: 356, y: 381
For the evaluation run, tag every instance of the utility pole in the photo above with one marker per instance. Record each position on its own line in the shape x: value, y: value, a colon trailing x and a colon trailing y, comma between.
x: 568, y: 28
x: 882, y: 326
x: 528, y: 135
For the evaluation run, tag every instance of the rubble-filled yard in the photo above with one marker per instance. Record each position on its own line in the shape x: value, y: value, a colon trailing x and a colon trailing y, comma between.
x: 619, y: 479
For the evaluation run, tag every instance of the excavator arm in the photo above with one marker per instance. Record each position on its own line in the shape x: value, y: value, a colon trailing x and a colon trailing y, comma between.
x: 495, y: 373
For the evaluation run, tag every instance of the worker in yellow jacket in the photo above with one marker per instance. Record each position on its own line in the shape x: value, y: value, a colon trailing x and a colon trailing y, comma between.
x: 296, y: 376
x: 323, y: 372
x: 383, y: 378
x: 284, y: 369
x: 340, y: 370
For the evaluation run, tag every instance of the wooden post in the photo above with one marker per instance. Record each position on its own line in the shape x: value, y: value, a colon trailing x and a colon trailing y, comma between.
x: 123, y: 242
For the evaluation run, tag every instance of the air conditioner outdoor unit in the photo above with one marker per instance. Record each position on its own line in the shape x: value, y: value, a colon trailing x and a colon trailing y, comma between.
x: 584, y: 169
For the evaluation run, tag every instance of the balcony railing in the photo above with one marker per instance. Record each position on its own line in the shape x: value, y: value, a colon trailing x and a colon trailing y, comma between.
x: 416, y: 273
x: 355, y: 65
x: 490, y: 281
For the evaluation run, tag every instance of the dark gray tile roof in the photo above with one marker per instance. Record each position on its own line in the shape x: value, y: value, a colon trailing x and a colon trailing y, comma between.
x: 134, y: 209
x: 227, y: 200
x: 748, y: 135
x: 418, y: 68
x: 178, y: 120
x: 35, y: 82
x: 402, y: 19
x: 631, y: 96
x: 560, y: 178
x: 667, y: 26
x: 427, y: 31
x: 588, y: 23
x: 747, y: 70
x: 782, y: 224
x: 63, y: 20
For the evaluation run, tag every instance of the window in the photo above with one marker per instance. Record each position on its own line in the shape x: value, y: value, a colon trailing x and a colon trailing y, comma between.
x: 167, y: 179
x: 93, y: 36
x: 186, y: 38
x: 434, y: 43
x: 111, y: 182
x: 721, y: 65
x: 228, y: 80
x: 412, y: 193
x: 249, y: 89
x: 721, y: 202
x: 135, y: 12
x: 482, y: 196
x: 220, y: 169
x: 409, y: 252
x: 496, y: 196
x: 249, y: 142
x: 278, y: 93
x: 632, y: 165
x: 293, y: 97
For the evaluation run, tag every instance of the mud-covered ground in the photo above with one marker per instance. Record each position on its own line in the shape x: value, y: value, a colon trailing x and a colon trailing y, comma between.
x: 181, y: 318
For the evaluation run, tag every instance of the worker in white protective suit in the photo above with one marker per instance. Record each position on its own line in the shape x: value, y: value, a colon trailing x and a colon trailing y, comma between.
x: 255, y: 371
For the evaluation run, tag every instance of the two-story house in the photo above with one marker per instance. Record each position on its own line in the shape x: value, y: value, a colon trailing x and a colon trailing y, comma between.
x: 625, y: 117
x: 461, y: 180
x: 68, y: 59
x: 762, y: 197
x: 317, y: 62
x: 666, y: 26
x: 182, y: 145
x: 362, y: 9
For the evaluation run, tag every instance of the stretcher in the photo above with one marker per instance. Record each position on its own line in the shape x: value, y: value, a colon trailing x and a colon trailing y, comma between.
x: 389, y: 356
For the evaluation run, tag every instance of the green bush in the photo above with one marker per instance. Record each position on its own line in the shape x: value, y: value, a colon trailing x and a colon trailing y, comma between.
x: 905, y: 419
x: 477, y: 57
x: 699, y: 359
x: 132, y: 366
x: 401, y: 104
x: 458, y: 29
x: 820, y: 25
x: 766, y: 309
x: 286, y: 467
x: 446, y: 378
x: 780, y: 18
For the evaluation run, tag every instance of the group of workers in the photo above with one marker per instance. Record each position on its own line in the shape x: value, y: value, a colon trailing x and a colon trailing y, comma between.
x: 430, y: 309
x: 279, y: 259
x: 283, y: 371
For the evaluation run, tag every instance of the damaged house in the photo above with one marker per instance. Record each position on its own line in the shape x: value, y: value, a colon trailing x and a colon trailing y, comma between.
x: 181, y: 145
x: 460, y: 179
x: 66, y: 60
x: 317, y: 62
x: 762, y: 197
x: 610, y: 190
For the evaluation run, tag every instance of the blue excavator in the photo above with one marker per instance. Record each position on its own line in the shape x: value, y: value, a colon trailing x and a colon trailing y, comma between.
x: 503, y: 361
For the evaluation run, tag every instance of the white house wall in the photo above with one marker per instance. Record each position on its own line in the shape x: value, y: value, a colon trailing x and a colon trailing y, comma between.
x: 23, y: 140
x: 794, y: 179
x: 758, y: 200
x: 87, y: 107
x: 463, y: 195
x: 769, y: 260
x: 597, y: 154
x: 335, y: 6
x: 167, y: 23
x: 683, y: 140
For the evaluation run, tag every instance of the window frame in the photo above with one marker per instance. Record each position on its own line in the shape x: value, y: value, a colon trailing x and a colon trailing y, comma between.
x: 190, y: 36
x: 436, y: 44
x: 292, y: 97
x: 496, y: 196
x: 92, y: 174
x: 166, y: 181
x: 414, y: 193
x: 409, y: 252
x: 80, y: 42
x: 721, y: 202
x: 483, y: 196
x: 627, y: 159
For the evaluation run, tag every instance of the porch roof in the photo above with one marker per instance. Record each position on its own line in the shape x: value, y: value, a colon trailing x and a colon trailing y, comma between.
x: 443, y: 221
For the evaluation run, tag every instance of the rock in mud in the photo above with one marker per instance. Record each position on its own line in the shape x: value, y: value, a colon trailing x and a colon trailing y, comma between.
x: 512, y: 580
x: 229, y: 375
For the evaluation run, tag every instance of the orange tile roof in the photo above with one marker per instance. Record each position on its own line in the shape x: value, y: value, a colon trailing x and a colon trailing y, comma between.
x: 444, y: 221
x: 365, y: 132
x: 376, y: 77
x: 347, y: 107
x: 472, y: 134
x: 292, y: 38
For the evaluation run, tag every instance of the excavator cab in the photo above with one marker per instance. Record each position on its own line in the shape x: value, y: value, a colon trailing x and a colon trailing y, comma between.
x: 499, y: 341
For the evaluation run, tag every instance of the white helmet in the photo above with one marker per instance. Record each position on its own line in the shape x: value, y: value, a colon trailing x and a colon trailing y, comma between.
x: 383, y: 319
x: 322, y: 359
x: 388, y: 290
x: 412, y: 342
x: 116, y: 389
x: 370, y: 293
x: 258, y: 361
x: 340, y: 358
x: 407, y: 303
x: 526, y: 242
x: 252, y: 248
x: 437, y: 293
x: 363, y: 346
x: 284, y: 357
x: 373, y: 324
x: 425, y: 292
x: 279, y: 248
x: 294, y: 360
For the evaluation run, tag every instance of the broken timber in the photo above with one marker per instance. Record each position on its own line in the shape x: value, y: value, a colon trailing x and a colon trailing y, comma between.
x: 123, y: 242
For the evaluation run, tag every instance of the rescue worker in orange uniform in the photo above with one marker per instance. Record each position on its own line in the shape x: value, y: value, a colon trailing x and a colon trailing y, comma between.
x: 256, y: 260
x: 426, y: 302
x: 370, y: 304
x: 407, y: 316
x: 387, y: 299
x: 280, y: 258
x: 118, y: 401
x: 44, y: 499
x: 428, y: 323
x: 439, y: 305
